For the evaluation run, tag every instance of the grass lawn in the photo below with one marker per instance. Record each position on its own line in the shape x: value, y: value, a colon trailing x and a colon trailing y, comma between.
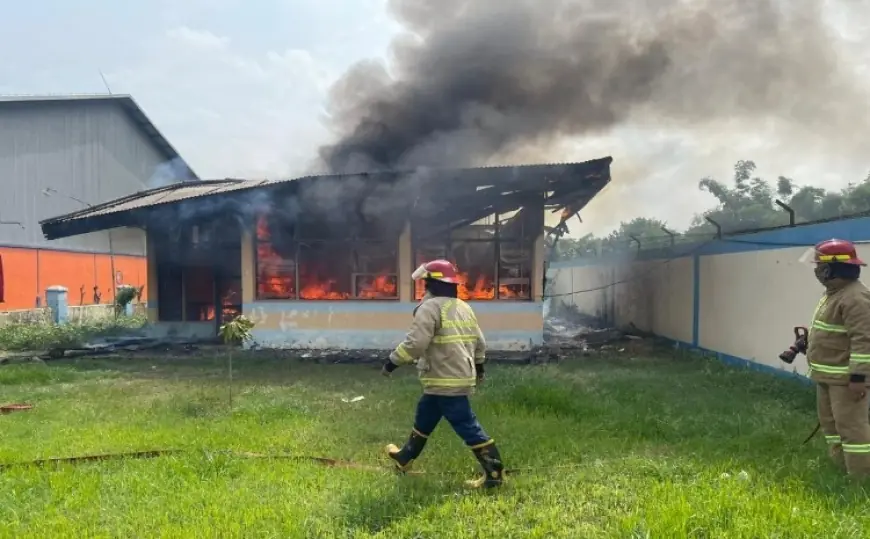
x: 656, y: 447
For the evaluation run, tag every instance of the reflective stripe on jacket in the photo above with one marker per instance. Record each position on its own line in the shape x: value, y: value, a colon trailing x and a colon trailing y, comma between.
x: 446, y: 343
x: 839, y: 340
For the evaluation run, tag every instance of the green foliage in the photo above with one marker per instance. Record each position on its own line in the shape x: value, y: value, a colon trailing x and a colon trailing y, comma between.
x: 236, y: 331
x: 48, y: 336
x: 748, y: 203
x: 650, y: 233
x: 125, y: 295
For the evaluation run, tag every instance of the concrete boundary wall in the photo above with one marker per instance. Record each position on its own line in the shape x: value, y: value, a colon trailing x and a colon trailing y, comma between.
x: 738, y: 298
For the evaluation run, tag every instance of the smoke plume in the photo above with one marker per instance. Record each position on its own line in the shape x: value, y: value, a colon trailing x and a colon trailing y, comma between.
x: 474, y: 81
x: 169, y: 172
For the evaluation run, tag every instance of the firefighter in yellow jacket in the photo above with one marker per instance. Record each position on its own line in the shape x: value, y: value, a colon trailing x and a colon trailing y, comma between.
x: 449, y: 349
x: 838, y: 354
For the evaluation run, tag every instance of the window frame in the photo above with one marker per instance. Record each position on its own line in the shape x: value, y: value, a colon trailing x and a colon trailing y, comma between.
x: 298, y: 243
x: 445, y: 244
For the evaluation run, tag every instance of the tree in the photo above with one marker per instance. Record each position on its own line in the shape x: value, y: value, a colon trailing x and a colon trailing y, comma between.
x: 748, y: 203
x: 234, y: 333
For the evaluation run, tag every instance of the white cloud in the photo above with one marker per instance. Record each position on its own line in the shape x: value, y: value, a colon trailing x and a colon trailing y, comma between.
x: 199, y: 39
x: 230, y: 113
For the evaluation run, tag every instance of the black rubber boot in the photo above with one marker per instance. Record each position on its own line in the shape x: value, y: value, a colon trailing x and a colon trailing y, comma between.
x: 493, y: 468
x: 405, y: 456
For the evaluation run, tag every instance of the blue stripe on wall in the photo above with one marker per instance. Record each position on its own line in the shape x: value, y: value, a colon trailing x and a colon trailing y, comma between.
x: 277, y: 306
x: 744, y: 363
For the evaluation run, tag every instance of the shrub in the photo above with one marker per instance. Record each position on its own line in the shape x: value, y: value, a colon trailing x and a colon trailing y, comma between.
x: 48, y: 336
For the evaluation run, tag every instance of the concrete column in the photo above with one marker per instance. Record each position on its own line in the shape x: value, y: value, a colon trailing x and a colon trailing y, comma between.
x: 538, y: 269
x: 56, y: 299
x: 405, y: 262
x: 249, y: 266
x: 151, y: 279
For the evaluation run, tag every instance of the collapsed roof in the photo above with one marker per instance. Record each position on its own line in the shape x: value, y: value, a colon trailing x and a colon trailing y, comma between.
x: 430, y: 198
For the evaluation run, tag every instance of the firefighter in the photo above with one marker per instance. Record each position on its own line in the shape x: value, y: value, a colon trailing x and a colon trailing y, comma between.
x: 448, y: 348
x: 838, y: 354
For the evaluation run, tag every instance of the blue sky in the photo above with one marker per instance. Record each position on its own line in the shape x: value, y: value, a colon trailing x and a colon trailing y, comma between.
x: 239, y: 88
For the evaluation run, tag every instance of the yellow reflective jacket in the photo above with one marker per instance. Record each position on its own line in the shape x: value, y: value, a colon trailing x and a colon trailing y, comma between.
x: 839, y: 339
x: 446, y: 343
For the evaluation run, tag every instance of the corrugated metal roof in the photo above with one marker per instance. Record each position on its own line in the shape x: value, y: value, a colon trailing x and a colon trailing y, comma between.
x: 157, y: 196
x: 129, y: 106
x: 208, y: 188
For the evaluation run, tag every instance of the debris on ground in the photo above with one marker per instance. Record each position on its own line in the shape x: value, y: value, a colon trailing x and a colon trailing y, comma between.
x: 568, y: 332
x: 9, y: 408
x: 353, y: 400
x: 110, y: 347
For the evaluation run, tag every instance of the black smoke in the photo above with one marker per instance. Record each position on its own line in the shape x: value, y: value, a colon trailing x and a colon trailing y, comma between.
x: 473, y: 80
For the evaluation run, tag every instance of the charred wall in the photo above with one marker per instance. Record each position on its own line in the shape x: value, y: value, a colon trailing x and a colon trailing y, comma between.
x: 195, y: 271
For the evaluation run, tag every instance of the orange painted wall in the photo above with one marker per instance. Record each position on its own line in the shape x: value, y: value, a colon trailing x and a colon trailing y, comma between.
x: 28, y: 272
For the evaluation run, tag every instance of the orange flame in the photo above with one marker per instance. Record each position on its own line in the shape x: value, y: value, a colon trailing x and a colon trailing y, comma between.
x: 380, y: 287
x: 314, y: 282
x: 228, y: 311
x: 483, y: 288
x: 272, y: 282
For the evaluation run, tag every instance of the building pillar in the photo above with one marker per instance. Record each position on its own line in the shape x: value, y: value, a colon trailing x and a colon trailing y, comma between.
x: 405, y: 265
x: 56, y: 300
x: 249, y: 268
x: 151, y: 277
x: 538, y: 272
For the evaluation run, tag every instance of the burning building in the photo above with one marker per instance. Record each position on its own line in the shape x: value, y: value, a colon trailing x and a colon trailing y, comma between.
x: 325, y: 261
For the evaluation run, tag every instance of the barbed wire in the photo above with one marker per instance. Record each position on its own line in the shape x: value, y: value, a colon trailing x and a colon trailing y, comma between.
x: 695, y: 249
x: 663, y: 240
x: 663, y: 262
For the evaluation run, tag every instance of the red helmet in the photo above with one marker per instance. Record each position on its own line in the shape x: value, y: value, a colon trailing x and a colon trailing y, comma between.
x: 834, y: 250
x: 438, y: 270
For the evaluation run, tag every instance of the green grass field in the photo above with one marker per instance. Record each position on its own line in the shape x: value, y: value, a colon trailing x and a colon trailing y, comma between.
x: 656, y: 447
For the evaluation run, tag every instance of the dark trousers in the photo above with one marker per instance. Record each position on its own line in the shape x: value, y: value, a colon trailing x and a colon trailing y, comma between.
x: 457, y: 411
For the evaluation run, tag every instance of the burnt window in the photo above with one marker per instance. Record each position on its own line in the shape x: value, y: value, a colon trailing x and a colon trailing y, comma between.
x: 320, y: 260
x: 495, y: 256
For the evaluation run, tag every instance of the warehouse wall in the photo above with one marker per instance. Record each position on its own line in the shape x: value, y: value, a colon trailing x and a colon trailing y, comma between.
x: 90, y: 150
x: 739, y: 297
x: 28, y: 272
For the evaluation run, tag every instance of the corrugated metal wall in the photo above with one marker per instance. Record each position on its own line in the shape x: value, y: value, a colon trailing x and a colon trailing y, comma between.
x: 88, y: 150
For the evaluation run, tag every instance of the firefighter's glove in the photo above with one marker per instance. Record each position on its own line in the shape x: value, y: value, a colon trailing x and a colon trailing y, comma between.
x: 481, y: 376
x: 388, y: 368
x: 801, y: 345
